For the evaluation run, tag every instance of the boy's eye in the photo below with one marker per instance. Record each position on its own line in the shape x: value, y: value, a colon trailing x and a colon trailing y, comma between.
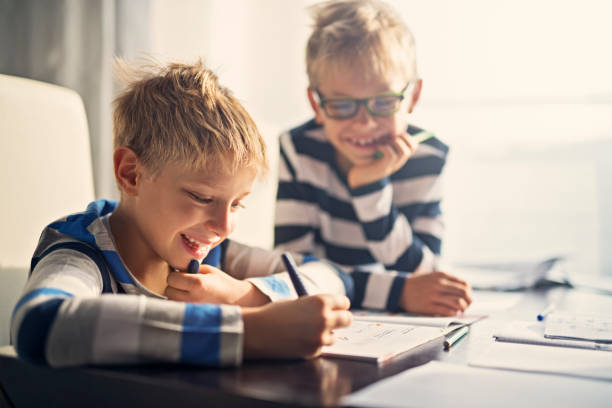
x: 384, y: 102
x: 341, y: 105
x: 199, y: 199
x: 238, y: 205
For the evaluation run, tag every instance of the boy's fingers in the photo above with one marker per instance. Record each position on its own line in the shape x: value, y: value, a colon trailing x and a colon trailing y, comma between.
x: 457, y: 294
x: 176, y: 294
x: 408, y: 145
x: 342, y: 318
x: 453, y: 288
x: 178, y: 280
x: 328, y: 338
x: 452, y: 302
x: 452, y: 278
x: 443, y: 309
x: 339, y: 302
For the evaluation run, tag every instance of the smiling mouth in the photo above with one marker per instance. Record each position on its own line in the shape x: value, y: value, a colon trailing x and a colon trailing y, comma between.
x: 198, y: 246
x: 371, y: 142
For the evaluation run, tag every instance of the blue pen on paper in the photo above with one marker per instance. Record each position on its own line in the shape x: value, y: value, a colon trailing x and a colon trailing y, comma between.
x: 298, y: 285
x: 545, y: 312
x: 194, y: 266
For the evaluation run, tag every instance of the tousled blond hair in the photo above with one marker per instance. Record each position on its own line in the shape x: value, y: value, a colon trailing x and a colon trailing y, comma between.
x: 367, y: 34
x: 179, y: 113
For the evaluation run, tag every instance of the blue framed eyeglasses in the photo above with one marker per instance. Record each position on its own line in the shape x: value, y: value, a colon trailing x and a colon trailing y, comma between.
x: 378, y: 105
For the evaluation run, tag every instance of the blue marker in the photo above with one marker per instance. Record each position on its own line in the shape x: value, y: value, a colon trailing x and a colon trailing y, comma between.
x: 298, y: 285
x: 194, y: 266
x: 546, y: 312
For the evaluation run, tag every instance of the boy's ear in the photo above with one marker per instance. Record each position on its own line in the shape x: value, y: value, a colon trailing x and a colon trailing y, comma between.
x: 415, y: 95
x: 127, y: 170
x: 315, y: 106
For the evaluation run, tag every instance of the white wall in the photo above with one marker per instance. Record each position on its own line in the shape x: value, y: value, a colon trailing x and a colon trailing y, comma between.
x: 520, y: 89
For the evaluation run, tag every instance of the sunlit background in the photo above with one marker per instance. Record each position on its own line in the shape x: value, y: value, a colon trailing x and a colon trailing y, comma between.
x: 521, y: 90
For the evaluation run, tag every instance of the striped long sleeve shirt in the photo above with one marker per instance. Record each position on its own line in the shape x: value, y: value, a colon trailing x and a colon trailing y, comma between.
x: 379, y: 232
x: 82, y: 305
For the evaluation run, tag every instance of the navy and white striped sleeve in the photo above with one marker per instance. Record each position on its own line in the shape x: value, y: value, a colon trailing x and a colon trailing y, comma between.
x: 62, y: 319
x: 296, y: 216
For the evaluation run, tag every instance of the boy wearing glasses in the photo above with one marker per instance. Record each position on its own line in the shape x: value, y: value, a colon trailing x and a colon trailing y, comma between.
x: 358, y: 185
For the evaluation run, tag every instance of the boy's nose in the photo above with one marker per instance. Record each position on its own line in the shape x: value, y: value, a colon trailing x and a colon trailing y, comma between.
x: 363, y: 115
x: 221, y: 222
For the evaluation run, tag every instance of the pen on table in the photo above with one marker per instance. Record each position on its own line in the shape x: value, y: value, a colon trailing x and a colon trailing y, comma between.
x: 545, y: 312
x: 194, y: 266
x: 455, y: 336
x: 298, y: 285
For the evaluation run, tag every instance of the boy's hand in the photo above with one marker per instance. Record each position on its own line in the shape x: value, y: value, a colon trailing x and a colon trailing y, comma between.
x: 212, y: 285
x: 436, y: 294
x: 294, y: 328
x: 394, y: 156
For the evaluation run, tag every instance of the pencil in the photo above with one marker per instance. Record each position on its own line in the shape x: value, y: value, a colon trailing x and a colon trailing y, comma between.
x: 421, y: 137
x: 455, y: 336
x: 298, y: 285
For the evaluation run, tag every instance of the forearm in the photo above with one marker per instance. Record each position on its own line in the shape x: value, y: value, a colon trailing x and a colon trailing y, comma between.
x: 127, y: 329
x: 377, y: 290
x: 62, y: 319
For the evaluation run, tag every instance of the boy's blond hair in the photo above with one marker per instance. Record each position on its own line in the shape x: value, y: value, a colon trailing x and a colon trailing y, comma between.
x: 366, y: 34
x: 179, y: 113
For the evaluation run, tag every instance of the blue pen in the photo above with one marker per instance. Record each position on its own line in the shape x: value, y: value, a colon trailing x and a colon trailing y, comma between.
x: 546, y: 312
x: 194, y: 266
x: 298, y: 285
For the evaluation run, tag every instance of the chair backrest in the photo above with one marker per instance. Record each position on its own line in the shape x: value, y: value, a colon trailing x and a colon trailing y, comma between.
x: 45, y: 162
x: 45, y: 173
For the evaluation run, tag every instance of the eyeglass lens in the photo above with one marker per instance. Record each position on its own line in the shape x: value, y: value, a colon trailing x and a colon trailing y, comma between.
x: 379, y: 106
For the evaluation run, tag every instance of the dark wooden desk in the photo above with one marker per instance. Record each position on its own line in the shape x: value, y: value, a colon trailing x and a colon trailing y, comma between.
x: 319, y: 382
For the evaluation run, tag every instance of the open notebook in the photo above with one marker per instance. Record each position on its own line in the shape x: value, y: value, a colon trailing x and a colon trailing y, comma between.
x: 448, y: 323
x: 380, y: 342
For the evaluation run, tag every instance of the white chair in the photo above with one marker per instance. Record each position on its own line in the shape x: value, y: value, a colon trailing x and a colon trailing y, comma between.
x: 46, y: 173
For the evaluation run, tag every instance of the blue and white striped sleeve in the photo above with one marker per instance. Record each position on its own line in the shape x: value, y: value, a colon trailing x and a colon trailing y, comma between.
x: 63, y: 320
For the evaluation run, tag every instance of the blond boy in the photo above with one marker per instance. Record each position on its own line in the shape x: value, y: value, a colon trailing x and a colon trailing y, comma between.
x: 358, y: 184
x: 109, y: 285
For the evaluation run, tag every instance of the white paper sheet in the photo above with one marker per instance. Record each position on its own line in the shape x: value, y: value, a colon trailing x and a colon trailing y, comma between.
x: 578, y: 327
x: 574, y: 362
x: 438, y: 384
x: 532, y: 332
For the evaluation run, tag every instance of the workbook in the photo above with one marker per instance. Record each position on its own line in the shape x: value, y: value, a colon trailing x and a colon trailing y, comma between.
x: 405, y: 318
x: 571, y: 326
x: 380, y: 342
x: 531, y: 332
